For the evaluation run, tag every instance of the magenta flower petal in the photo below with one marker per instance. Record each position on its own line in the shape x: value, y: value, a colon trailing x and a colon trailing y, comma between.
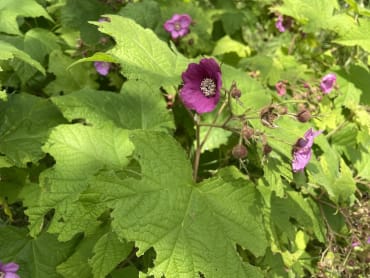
x: 328, y: 82
x: 279, y: 24
x: 202, y: 85
x: 178, y: 25
x: 11, y: 275
x: 102, y: 67
x: 302, y: 150
x: 280, y: 88
x: 9, y: 270
x: 10, y: 267
x: 355, y: 244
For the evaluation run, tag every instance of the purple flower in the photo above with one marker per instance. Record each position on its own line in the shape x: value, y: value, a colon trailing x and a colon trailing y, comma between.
x: 279, y: 24
x: 355, y: 244
x: 9, y: 270
x: 302, y: 150
x: 327, y: 83
x: 280, y: 88
x: 202, y: 85
x: 102, y: 67
x: 178, y: 25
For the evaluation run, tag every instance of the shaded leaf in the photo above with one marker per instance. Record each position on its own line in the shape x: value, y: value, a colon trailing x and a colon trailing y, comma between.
x: 25, y: 122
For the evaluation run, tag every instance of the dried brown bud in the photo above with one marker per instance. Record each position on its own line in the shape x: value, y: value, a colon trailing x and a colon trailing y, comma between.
x: 239, y: 151
x: 268, y: 115
x: 304, y: 116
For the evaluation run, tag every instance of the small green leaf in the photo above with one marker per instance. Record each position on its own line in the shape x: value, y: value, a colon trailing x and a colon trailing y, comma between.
x: 227, y: 45
x: 10, y: 10
x: 77, y: 266
x: 109, y: 251
x: 295, y: 206
x: 69, y: 80
x: 8, y: 51
x: 146, y: 13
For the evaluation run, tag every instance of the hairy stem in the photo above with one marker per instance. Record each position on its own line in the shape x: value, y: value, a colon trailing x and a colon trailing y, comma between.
x: 199, y: 144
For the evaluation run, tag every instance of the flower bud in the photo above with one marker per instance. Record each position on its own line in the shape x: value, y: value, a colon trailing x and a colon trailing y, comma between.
x: 234, y: 91
x: 304, y: 116
x: 239, y: 151
x: 267, y: 149
x: 247, y: 132
x: 282, y: 110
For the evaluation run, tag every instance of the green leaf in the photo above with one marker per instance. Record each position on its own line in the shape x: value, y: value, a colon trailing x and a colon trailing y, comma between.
x: 38, y: 43
x: 253, y: 95
x: 232, y: 21
x: 355, y: 34
x: 182, y: 222
x: 127, y: 272
x: 146, y: 13
x: 12, y: 182
x: 33, y: 255
x: 227, y: 45
x: 359, y: 76
x: 8, y: 51
x: 77, y: 266
x: 337, y: 181
x: 299, y: 208
x: 76, y: 14
x: 142, y: 54
x: 137, y: 107
x: 25, y: 121
x: 80, y: 151
x: 68, y: 80
x: 109, y: 251
x: 10, y: 10
x: 307, y: 12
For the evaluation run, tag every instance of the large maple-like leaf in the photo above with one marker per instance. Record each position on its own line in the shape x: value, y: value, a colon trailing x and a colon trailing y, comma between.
x: 193, y: 228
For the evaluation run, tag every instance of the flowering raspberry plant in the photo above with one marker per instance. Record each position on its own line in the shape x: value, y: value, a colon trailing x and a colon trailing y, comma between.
x: 238, y: 148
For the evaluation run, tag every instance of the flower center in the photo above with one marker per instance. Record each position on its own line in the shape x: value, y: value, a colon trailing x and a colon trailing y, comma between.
x: 177, y: 26
x: 208, y: 87
x: 2, y: 274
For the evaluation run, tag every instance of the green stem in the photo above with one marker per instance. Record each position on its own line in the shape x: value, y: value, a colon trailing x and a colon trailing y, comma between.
x: 197, y: 152
x: 214, y: 121
x: 199, y: 144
